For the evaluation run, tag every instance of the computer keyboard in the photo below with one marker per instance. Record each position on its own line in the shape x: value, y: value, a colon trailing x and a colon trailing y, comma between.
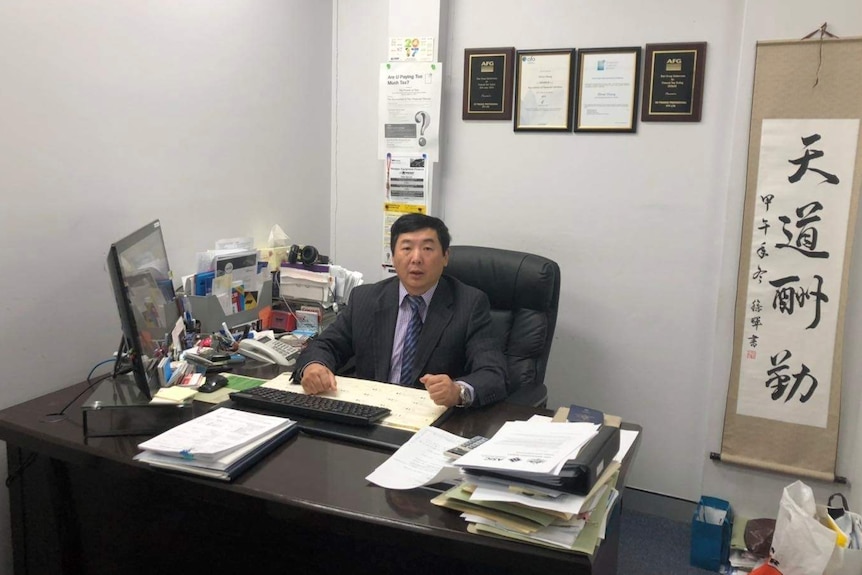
x: 314, y: 406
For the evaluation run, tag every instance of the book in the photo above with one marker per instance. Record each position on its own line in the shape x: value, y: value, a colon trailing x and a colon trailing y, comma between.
x: 588, y: 414
x: 578, y: 413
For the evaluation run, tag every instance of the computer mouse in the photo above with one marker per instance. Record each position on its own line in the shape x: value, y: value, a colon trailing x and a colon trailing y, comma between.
x: 213, y: 383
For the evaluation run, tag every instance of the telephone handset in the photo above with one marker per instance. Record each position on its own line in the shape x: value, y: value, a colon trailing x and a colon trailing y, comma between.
x: 269, y: 350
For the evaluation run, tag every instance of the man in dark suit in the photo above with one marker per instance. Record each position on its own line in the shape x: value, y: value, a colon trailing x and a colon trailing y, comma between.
x: 421, y: 329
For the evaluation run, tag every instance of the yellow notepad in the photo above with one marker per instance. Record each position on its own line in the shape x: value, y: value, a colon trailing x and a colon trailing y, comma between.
x: 173, y: 394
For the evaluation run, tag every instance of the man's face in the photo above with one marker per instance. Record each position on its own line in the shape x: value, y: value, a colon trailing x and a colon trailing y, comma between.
x: 419, y: 260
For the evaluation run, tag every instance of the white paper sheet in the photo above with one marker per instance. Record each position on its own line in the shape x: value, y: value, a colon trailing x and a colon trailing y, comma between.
x: 530, y: 447
x: 627, y: 439
x: 420, y: 461
x: 565, y: 503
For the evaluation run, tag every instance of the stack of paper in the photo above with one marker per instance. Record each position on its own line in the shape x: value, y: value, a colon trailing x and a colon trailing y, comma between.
x: 530, y: 451
x: 306, y: 283
x: 508, y: 490
x: 220, y: 444
x: 495, y: 494
x: 536, y: 516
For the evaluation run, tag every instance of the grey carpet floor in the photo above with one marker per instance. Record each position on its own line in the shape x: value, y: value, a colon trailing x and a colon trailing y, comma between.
x: 652, y: 545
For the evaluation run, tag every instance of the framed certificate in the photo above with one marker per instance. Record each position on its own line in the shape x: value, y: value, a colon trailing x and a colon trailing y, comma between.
x: 543, y: 90
x: 673, y: 82
x: 607, y: 97
x: 488, y: 83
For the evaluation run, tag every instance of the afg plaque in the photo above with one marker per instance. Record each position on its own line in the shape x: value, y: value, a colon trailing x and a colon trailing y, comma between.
x: 488, y: 83
x: 673, y: 82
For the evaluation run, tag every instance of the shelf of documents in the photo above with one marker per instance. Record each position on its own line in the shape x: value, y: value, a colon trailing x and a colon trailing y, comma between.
x: 209, y: 312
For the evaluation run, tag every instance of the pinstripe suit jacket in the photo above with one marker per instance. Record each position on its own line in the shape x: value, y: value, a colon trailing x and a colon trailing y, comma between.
x: 456, y: 338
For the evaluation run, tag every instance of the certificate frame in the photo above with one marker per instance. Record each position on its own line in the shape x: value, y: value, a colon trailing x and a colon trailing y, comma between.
x: 594, y: 111
x: 683, y: 82
x: 556, y: 87
x: 488, y: 93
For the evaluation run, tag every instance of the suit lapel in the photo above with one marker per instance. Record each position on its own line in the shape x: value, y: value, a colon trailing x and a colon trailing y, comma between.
x: 383, y: 329
x: 438, y: 317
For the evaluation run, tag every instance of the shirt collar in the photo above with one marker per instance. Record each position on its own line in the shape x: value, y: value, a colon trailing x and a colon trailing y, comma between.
x: 402, y: 293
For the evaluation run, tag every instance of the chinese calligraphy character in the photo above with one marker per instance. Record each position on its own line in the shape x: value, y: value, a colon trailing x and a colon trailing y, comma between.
x: 764, y: 226
x: 761, y: 251
x: 778, y: 380
x: 758, y: 275
x: 752, y: 340
x: 806, y: 241
x: 756, y: 322
x: 806, y: 159
x: 786, y: 296
x: 767, y: 199
x: 756, y: 306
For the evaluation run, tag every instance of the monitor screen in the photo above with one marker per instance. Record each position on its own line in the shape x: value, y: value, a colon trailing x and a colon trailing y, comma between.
x: 144, y: 290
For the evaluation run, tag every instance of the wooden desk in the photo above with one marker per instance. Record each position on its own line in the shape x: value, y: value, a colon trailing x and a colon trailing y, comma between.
x: 85, y: 507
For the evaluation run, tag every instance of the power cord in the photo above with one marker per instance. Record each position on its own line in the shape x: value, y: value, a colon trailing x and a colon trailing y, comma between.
x: 61, y: 415
x: 15, y: 473
x: 19, y: 470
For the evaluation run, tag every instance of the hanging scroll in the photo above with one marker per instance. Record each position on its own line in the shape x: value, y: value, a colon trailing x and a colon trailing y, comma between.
x: 803, y: 179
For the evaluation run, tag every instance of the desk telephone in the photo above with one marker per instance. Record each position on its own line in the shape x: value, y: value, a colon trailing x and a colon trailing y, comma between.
x: 269, y: 350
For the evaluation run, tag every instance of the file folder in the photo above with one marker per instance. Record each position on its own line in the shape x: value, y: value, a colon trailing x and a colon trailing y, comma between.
x: 578, y: 475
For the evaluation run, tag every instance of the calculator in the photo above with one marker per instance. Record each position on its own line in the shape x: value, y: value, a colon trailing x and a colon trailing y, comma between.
x: 462, y: 449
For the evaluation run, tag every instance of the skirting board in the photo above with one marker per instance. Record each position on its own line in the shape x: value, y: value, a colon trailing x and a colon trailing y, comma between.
x: 656, y: 504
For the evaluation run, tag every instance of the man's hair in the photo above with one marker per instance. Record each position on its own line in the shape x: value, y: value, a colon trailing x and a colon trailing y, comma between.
x: 415, y: 222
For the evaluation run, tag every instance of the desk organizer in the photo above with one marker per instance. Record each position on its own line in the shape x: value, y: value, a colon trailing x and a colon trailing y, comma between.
x: 208, y: 311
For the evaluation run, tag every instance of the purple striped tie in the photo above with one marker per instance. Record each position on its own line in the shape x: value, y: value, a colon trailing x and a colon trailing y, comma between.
x: 411, y: 339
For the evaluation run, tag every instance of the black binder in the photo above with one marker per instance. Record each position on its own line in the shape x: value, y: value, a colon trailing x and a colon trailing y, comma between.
x: 593, y: 458
x: 577, y: 475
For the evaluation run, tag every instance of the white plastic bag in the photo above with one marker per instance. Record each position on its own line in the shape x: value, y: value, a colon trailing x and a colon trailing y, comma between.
x: 846, y: 559
x: 801, y: 544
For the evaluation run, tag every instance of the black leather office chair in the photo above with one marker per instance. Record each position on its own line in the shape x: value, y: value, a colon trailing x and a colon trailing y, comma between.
x: 524, y: 291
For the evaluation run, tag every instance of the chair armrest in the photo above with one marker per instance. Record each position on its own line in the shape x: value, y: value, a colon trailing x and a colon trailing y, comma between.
x: 533, y: 396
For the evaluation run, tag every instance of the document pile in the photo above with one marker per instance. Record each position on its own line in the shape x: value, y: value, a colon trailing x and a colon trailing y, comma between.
x: 544, y: 483
x: 306, y: 282
x: 220, y: 444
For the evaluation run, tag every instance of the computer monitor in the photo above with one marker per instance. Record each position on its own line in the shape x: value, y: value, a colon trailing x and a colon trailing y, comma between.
x: 146, y: 301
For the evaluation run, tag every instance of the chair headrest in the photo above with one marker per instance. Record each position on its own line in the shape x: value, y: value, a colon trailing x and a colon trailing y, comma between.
x: 511, y: 279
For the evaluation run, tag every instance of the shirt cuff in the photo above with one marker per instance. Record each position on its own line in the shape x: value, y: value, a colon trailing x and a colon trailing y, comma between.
x: 297, y: 377
x: 471, y: 393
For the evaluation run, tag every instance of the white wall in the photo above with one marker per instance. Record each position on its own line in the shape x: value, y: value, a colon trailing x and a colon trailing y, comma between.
x: 212, y: 116
x: 645, y: 227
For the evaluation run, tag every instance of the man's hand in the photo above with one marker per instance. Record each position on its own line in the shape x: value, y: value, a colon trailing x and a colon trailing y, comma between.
x: 317, y: 378
x: 441, y: 388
